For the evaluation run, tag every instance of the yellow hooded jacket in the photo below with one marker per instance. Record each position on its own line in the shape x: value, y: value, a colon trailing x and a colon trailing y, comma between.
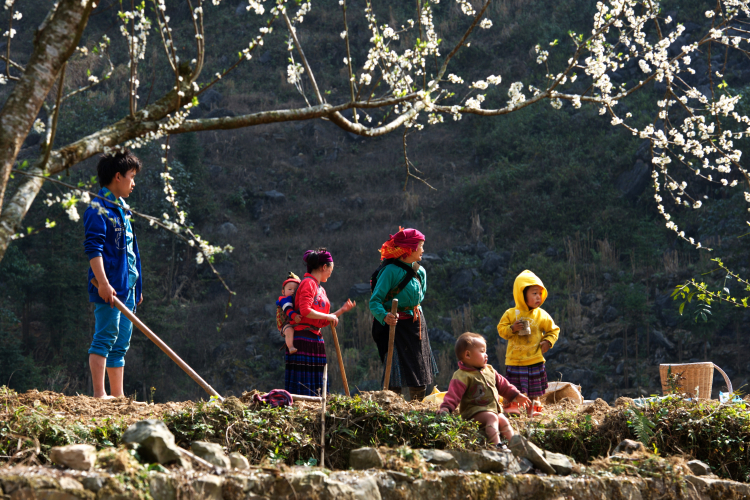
x: 524, y: 350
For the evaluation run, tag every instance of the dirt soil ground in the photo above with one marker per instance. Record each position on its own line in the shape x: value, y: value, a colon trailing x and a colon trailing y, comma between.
x: 86, y: 408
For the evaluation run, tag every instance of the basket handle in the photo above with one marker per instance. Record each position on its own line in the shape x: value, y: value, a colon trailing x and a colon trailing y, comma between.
x: 726, y: 379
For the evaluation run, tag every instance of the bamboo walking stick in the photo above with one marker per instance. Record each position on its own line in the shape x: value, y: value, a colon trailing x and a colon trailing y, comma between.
x: 323, y: 418
x: 341, y: 360
x: 391, y: 338
x: 160, y: 343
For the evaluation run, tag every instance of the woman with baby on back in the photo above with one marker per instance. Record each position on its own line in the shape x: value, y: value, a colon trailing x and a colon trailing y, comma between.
x: 306, y: 359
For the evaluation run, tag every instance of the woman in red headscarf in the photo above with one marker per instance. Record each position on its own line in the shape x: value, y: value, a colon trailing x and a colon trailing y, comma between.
x: 401, y: 277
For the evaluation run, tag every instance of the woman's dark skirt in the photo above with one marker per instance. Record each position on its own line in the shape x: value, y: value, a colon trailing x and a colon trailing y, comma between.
x: 304, y: 368
x: 413, y: 363
x: 530, y: 380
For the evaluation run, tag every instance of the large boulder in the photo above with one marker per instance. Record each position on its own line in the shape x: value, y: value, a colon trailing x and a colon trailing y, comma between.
x: 275, y: 338
x: 562, y: 464
x: 666, y: 310
x: 485, y: 461
x: 155, y: 442
x: 238, y: 461
x: 365, y: 458
x: 275, y: 196
x: 439, y: 335
x: 523, y: 448
x: 628, y: 447
x: 462, y: 278
x: 228, y: 229
x: 212, y: 453
x: 333, y: 226
x: 94, y: 483
x: 580, y: 376
x: 658, y: 338
x: 634, y: 181
x: 610, y: 314
x: 74, y: 456
x: 210, y: 98
x: 431, y: 258
x: 615, y: 347
x: 492, y: 262
x: 359, y: 290
x: 699, y: 468
x: 208, y: 487
x: 440, y: 458
x: 161, y: 486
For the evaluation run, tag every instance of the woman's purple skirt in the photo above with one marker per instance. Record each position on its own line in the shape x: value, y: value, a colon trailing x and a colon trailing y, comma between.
x: 530, y: 380
x: 304, y: 368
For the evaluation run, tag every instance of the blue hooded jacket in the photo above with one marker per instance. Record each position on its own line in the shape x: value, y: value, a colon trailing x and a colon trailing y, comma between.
x: 105, y: 237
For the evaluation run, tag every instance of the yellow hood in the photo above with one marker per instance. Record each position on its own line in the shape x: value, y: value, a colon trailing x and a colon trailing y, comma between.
x: 526, y: 278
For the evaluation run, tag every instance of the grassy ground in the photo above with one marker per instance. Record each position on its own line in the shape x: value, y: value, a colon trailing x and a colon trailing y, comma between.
x: 718, y: 434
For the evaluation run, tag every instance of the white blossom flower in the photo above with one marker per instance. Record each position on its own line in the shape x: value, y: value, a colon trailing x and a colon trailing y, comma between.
x: 294, y: 73
x: 38, y: 126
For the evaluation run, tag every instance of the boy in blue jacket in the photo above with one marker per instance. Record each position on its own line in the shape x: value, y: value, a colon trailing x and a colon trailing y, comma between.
x: 115, y: 263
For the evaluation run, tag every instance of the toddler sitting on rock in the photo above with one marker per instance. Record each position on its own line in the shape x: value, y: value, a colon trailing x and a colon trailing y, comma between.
x: 475, y: 388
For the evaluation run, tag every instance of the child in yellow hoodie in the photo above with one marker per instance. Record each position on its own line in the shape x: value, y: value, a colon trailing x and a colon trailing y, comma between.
x: 524, y: 357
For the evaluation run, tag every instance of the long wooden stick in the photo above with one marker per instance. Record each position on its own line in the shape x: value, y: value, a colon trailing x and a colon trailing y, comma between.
x: 160, y: 343
x: 323, y: 418
x: 299, y: 397
x: 341, y: 360
x: 391, y: 338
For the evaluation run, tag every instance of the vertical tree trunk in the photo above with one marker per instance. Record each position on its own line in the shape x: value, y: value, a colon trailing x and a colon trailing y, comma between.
x: 636, y: 370
x: 625, y: 371
x: 28, y: 346
x: 54, y: 43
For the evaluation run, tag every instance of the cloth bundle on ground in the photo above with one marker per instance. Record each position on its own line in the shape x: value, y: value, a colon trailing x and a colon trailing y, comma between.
x: 275, y: 398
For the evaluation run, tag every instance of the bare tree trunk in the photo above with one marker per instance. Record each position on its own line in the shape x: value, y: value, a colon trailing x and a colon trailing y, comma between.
x: 625, y: 371
x: 54, y: 43
x: 636, y: 369
x: 28, y: 346
x: 16, y: 208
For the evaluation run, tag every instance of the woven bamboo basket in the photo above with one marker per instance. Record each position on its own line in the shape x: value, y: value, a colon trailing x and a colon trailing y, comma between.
x: 694, y: 376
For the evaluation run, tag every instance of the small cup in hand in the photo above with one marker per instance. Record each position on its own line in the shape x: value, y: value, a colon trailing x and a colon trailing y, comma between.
x: 526, y: 330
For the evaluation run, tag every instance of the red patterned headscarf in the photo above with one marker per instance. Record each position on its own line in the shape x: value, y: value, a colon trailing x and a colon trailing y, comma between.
x: 404, y: 242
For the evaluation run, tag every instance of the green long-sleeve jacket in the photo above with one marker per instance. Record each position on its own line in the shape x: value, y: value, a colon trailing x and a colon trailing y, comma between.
x: 388, y: 279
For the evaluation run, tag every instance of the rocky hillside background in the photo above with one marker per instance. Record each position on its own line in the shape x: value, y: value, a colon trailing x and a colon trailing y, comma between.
x: 559, y: 192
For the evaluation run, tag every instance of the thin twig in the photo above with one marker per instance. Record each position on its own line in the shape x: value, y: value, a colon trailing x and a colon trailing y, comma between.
x: 53, y: 129
x: 323, y: 417
x: 151, y: 219
x: 301, y: 53
x: 10, y: 37
x: 133, y: 60
x: 349, y: 58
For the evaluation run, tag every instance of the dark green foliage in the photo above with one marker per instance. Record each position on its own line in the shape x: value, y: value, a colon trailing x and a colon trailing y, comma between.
x: 641, y: 425
x: 718, y: 435
x: 257, y: 431
x: 16, y: 370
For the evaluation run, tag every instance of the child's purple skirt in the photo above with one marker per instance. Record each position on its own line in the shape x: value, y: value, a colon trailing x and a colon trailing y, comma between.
x: 530, y: 380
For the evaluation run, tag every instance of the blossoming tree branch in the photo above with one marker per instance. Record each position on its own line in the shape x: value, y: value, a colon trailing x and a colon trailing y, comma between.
x: 692, y: 131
